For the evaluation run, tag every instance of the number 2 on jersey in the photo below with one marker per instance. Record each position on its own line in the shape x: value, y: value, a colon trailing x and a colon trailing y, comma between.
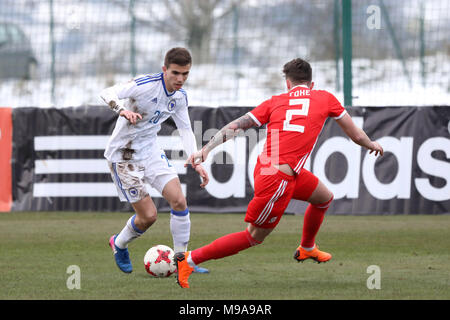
x: 156, y: 116
x: 303, y: 111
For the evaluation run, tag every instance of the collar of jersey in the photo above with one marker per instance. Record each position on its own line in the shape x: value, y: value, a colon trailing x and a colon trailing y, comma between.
x: 300, y: 85
x: 164, y: 86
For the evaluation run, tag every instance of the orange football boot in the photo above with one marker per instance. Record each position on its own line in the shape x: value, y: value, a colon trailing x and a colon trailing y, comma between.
x: 184, y: 270
x: 315, y: 254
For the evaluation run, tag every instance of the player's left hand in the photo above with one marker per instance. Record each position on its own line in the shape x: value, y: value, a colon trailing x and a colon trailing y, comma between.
x: 203, y: 174
x: 376, y: 148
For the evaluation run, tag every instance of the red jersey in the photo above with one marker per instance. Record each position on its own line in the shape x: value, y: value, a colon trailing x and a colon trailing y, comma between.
x: 294, y: 122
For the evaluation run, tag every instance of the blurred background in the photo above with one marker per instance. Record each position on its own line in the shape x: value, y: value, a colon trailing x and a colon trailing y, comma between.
x: 61, y: 53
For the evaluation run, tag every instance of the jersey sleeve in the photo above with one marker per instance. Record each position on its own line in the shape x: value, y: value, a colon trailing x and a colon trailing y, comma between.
x: 336, y: 110
x: 183, y: 123
x: 261, y: 114
x: 126, y: 90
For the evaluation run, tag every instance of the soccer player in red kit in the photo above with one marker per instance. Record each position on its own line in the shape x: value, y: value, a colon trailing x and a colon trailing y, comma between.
x: 294, y: 121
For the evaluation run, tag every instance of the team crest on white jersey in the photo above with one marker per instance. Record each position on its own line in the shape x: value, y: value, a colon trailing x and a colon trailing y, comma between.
x: 171, y: 105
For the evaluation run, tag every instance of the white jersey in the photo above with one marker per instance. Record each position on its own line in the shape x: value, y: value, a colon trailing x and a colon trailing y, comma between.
x: 148, y: 96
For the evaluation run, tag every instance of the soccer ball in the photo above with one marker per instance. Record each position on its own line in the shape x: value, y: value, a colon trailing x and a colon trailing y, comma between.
x: 159, y: 261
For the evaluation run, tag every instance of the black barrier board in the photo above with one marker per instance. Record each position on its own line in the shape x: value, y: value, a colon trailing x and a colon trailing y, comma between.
x: 58, y: 163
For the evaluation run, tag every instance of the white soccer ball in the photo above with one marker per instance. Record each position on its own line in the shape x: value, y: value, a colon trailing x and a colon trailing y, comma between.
x: 159, y: 261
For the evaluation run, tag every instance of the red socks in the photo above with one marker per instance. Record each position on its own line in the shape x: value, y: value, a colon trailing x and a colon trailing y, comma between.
x: 232, y: 243
x: 312, y: 221
x: 223, y: 247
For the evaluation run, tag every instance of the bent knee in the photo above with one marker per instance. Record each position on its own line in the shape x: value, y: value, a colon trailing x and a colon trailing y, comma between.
x: 149, y: 218
x: 179, y: 204
x: 258, y: 235
x: 325, y: 204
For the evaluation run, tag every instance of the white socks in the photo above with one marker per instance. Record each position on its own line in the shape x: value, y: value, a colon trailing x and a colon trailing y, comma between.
x: 128, y: 234
x: 180, y: 226
x: 309, y: 249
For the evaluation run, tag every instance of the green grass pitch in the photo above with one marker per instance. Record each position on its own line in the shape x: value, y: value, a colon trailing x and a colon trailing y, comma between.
x: 412, y: 253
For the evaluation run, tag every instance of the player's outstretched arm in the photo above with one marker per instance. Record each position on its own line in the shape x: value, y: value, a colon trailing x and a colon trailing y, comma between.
x: 358, y: 135
x: 226, y: 133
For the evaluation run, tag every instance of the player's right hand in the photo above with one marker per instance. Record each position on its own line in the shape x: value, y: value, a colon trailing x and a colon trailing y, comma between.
x: 130, y: 116
x: 196, y: 158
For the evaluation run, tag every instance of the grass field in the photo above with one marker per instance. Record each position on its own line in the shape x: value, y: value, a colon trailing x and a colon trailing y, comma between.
x: 412, y: 252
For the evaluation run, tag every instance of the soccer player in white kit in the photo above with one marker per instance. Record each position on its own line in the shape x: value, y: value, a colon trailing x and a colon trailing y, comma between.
x: 135, y: 158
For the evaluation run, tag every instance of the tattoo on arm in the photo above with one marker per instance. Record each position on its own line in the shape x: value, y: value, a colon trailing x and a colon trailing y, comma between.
x: 244, y: 122
x: 230, y: 131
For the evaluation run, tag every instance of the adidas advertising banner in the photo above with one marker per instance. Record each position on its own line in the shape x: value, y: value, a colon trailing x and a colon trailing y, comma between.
x: 52, y: 159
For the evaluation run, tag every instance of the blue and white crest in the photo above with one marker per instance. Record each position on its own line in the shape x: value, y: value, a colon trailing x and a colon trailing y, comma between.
x: 133, y: 192
x: 171, y: 105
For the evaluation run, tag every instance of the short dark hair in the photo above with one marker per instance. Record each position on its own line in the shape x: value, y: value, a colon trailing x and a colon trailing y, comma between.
x: 298, y: 71
x: 179, y: 56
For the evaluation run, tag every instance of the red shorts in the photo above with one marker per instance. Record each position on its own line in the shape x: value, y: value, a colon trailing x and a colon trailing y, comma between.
x: 305, y: 184
x: 273, y: 192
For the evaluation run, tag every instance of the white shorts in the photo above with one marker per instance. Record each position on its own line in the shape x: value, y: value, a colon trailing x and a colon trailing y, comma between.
x: 131, y: 178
